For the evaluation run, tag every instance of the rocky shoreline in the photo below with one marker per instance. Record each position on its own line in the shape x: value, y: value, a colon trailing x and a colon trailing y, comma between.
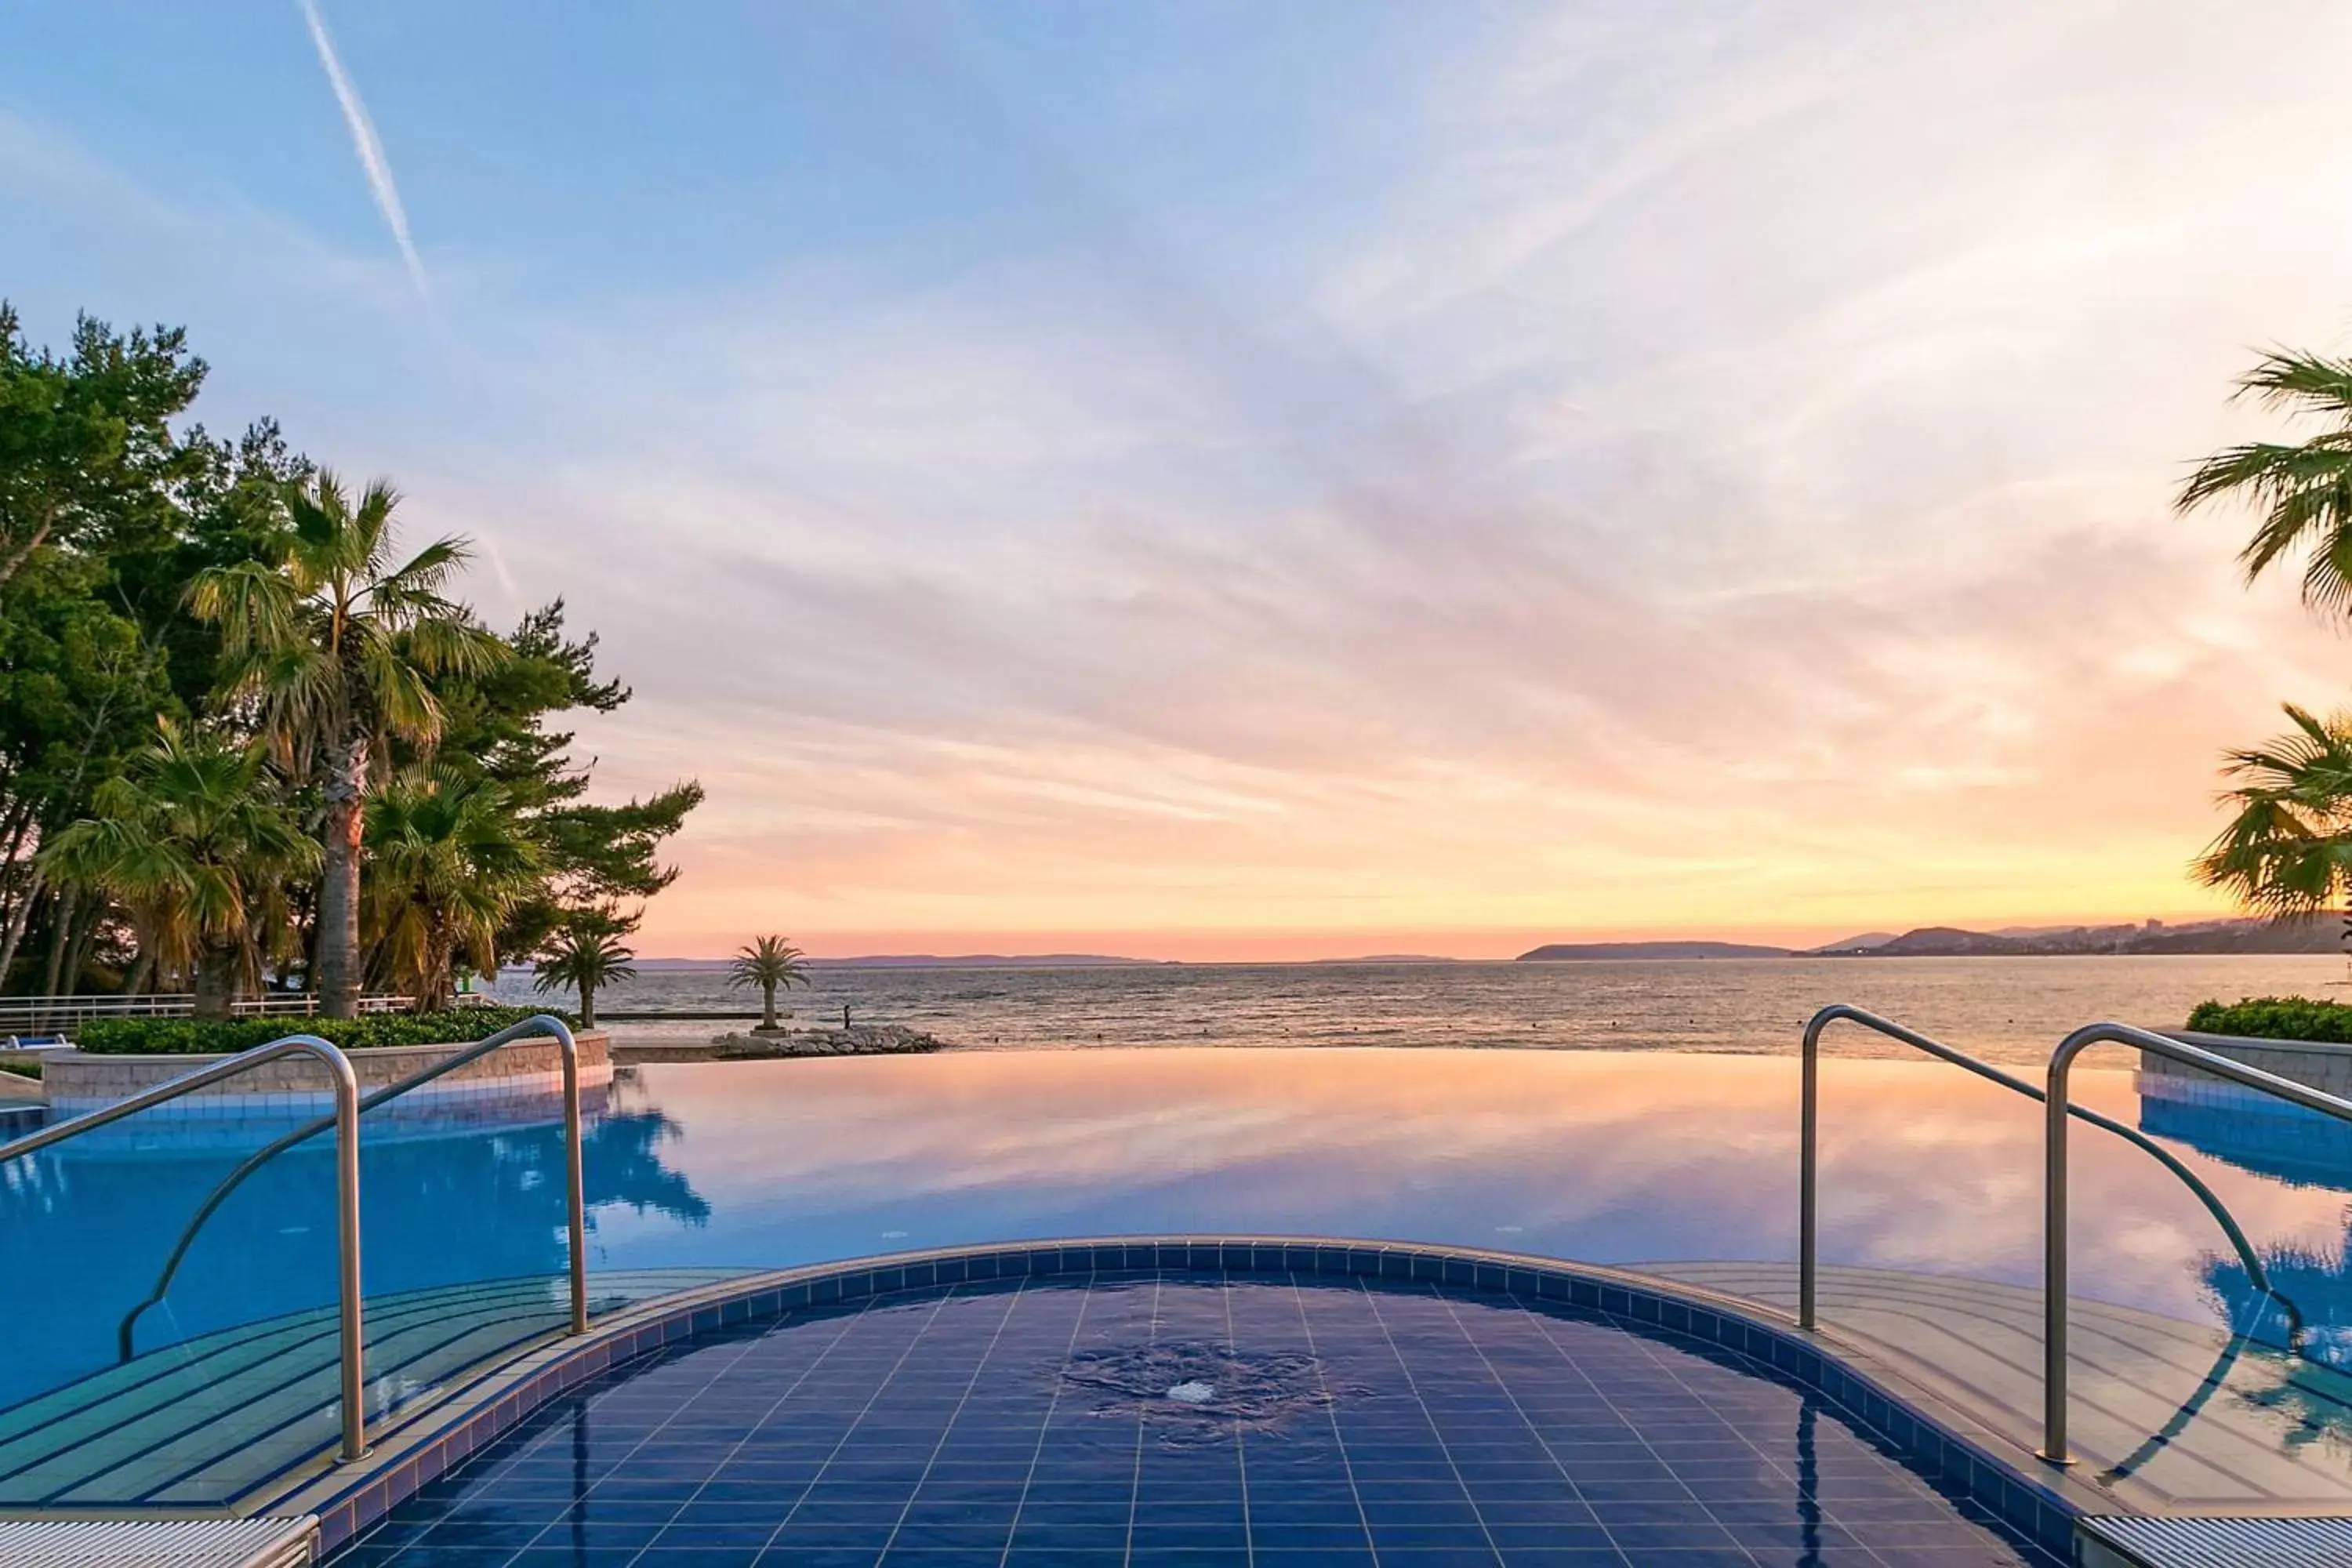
x: 857, y: 1040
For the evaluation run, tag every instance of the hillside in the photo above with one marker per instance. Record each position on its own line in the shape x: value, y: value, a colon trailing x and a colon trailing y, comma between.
x: 2320, y: 935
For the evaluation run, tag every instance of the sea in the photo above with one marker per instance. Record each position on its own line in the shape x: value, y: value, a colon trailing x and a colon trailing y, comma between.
x: 2010, y: 1010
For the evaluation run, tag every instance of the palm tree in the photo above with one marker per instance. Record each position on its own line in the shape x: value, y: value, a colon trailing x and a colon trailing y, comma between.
x: 586, y: 955
x: 766, y: 964
x: 194, y: 842
x: 333, y: 647
x: 447, y: 860
x: 2305, y: 493
x: 2288, y: 850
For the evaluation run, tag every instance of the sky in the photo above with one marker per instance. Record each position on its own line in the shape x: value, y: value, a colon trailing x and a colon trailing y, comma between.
x: 1230, y: 480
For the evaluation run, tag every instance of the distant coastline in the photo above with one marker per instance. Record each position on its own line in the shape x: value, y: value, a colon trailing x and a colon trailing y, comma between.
x: 2322, y: 934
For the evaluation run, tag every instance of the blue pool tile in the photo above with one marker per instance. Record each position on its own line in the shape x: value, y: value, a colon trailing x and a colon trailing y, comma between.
x: 1434, y: 1418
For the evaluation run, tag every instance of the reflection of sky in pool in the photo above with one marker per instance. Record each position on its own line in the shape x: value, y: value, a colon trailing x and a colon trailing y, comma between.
x: 1599, y: 1156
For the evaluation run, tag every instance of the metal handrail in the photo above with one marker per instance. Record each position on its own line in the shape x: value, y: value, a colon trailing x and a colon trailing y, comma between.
x: 2055, y: 1107
x: 534, y: 1027
x: 346, y: 1123
x: 1808, y: 1217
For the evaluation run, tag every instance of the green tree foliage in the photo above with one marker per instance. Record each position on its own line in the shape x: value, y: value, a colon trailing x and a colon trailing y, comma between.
x: 195, y: 843
x: 87, y: 448
x: 104, y: 512
x: 499, y: 724
x: 2303, y: 490
x: 2287, y: 850
x: 585, y: 954
x: 767, y: 962
x: 332, y: 646
x: 150, y: 571
x: 446, y: 859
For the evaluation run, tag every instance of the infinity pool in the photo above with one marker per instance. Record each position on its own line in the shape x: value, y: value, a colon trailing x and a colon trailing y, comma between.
x: 1607, y: 1157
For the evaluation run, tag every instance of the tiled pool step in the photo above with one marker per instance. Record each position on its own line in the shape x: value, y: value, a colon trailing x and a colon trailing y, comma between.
x: 2164, y: 1417
x: 197, y: 1424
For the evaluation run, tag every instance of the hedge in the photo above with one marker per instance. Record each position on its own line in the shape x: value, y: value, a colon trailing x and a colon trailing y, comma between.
x: 212, y: 1036
x: 2275, y: 1018
x: 21, y: 1066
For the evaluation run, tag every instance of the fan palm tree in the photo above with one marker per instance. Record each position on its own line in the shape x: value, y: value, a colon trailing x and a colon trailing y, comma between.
x: 767, y: 962
x: 446, y: 862
x: 2304, y: 491
x: 332, y: 648
x: 585, y: 954
x: 194, y: 842
x: 2288, y: 850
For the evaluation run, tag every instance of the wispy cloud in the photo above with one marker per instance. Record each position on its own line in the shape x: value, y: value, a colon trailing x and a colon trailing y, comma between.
x: 364, y: 143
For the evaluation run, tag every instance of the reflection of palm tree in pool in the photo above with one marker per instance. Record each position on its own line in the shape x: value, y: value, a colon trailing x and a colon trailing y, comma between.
x: 2318, y: 1280
x: 621, y: 1166
x: 456, y: 1208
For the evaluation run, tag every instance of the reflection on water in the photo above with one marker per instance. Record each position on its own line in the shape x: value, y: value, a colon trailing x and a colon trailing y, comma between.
x: 1603, y: 1156
x: 82, y: 1233
x: 2301, y: 1148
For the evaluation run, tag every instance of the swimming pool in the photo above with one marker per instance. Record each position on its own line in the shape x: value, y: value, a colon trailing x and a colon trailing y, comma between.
x: 695, y: 1172
x: 1183, y: 1416
x: 1628, y: 1158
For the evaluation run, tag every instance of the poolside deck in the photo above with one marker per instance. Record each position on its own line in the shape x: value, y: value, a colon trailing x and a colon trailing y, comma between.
x: 2168, y: 1416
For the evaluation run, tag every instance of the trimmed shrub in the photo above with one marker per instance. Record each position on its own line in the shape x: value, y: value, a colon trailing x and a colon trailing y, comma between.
x: 212, y: 1036
x: 2275, y: 1018
x: 24, y: 1068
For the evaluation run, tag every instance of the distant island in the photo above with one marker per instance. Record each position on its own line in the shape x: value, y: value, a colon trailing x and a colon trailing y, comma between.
x: 1602, y: 952
x: 2320, y: 934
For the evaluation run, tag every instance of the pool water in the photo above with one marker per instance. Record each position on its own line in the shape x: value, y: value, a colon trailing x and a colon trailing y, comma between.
x: 1614, y: 1158
x: 1167, y: 1418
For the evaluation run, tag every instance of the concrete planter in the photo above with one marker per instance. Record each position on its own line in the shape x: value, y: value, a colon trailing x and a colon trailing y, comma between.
x: 2246, y: 1127
x: 78, y: 1081
x: 2321, y: 1063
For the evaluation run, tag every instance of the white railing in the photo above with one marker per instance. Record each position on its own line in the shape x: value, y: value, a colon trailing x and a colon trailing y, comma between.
x: 58, y: 1015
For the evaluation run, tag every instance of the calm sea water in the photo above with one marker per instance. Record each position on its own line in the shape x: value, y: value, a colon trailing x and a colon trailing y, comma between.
x: 2007, y: 1009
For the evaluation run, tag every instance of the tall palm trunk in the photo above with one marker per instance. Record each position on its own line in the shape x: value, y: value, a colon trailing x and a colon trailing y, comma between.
x: 587, y: 1006
x: 337, y: 980
x: 767, y: 1008
x: 61, y: 916
x: 216, y: 965
x: 438, y: 986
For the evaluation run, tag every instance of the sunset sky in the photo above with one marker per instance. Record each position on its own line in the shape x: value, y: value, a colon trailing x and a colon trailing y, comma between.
x: 1277, y: 480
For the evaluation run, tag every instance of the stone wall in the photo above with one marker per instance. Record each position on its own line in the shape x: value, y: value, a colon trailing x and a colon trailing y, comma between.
x: 79, y: 1081
x: 2316, y: 1063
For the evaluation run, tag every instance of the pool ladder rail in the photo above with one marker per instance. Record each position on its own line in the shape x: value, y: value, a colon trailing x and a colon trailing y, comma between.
x: 2059, y: 1112
x: 350, y: 1104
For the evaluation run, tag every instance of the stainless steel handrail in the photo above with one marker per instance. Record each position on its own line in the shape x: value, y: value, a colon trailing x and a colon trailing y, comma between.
x: 2056, y: 1108
x: 534, y: 1027
x: 346, y: 1123
x: 1807, y: 1198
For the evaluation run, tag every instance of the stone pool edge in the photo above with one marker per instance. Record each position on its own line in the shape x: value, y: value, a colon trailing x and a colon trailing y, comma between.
x: 1968, y: 1460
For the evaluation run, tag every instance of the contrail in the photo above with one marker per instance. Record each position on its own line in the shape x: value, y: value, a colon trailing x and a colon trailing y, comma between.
x: 363, y: 142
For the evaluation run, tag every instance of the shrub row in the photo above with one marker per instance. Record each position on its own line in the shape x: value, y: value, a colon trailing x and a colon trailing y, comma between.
x: 2275, y: 1018
x: 208, y: 1036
